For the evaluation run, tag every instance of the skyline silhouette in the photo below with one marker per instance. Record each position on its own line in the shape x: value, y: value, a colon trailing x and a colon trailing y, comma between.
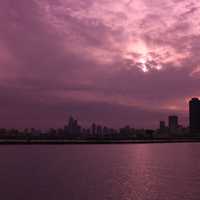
x: 73, y: 130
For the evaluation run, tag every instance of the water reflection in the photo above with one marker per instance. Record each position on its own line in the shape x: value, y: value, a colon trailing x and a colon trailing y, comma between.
x: 113, y: 172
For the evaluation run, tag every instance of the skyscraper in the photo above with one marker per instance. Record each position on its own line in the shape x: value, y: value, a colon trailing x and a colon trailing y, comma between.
x: 173, y: 123
x: 94, y: 129
x: 194, y: 109
x: 73, y: 127
x: 162, y: 125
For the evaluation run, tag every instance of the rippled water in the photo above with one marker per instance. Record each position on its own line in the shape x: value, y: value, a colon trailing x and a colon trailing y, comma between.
x: 98, y: 172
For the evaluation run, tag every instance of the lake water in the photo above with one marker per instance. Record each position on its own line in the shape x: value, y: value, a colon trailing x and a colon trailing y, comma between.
x: 100, y: 172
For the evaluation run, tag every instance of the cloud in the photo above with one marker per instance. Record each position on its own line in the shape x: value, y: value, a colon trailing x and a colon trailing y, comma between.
x: 83, y: 57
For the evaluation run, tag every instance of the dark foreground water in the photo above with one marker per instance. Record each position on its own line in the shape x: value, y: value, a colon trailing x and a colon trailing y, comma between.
x: 98, y: 172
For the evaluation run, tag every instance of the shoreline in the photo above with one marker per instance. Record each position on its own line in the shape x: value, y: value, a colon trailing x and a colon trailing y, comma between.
x: 32, y: 142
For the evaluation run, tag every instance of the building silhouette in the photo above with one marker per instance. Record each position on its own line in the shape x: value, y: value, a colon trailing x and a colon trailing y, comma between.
x: 94, y: 129
x: 99, y: 130
x: 194, y: 115
x: 173, y: 123
x: 73, y: 127
x: 162, y: 125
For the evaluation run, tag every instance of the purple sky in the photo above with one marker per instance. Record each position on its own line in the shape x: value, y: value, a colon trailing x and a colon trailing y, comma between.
x: 114, y: 62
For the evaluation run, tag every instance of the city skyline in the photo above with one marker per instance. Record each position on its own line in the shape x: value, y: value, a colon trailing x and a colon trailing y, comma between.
x: 171, y: 125
x: 107, y: 61
x: 72, y: 130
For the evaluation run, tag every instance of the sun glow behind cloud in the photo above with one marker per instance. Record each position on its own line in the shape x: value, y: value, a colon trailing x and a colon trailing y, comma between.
x: 140, y: 55
x: 127, y: 25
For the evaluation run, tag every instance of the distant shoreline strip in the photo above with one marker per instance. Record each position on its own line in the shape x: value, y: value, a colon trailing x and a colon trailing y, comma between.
x: 98, y: 141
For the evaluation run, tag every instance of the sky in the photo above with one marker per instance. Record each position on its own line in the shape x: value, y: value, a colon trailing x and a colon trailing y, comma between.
x: 112, y: 62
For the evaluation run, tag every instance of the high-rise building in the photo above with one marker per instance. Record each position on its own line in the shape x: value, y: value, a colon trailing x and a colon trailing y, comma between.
x: 162, y: 125
x: 173, y: 123
x: 94, y: 129
x: 73, y: 127
x: 99, y: 130
x: 194, y: 109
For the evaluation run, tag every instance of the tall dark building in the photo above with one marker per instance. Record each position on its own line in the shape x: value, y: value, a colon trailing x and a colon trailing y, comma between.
x: 99, y: 130
x: 173, y: 123
x: 194, y: 107
x: 162, y: 125
x: 73, y: 128
x: 94, y: 129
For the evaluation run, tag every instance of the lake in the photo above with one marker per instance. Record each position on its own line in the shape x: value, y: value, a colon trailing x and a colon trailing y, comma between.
x: 100, y: 172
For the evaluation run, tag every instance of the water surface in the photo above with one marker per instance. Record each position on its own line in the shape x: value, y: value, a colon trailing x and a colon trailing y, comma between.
x: 100, y: 172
